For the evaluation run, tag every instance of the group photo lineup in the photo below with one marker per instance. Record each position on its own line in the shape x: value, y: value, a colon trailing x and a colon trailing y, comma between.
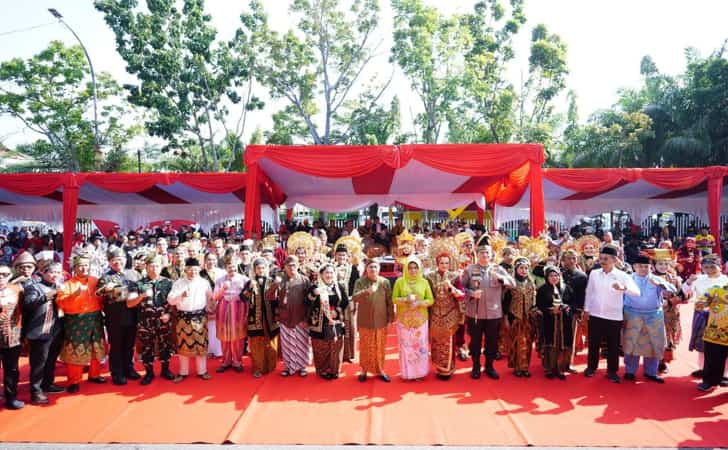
x: 363, y: 222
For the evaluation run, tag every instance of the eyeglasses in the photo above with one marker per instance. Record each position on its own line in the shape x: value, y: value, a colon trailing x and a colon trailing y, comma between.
x: 5, y: 274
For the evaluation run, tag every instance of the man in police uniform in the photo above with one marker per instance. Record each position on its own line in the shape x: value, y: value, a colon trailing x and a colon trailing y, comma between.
x: 115, y: 288
x: 484, y: 283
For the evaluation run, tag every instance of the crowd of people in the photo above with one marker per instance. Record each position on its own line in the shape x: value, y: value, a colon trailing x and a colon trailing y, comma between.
x: 331, y: 294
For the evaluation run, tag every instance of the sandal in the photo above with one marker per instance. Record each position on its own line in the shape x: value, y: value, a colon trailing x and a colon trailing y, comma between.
x: 179, y: 378
x: 205, y: 376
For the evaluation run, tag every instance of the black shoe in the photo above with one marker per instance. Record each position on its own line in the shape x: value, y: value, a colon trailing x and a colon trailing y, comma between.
x: 222, y: 369
x: 655, y: 378
x: 662, y: 367
x: 475, y: 373
x: 561, y: 376
x: 148, y: 377
x: 362, y: 377
x: 589, y: 373
x: 39, y: 398
x: 724, y: 382
x: 705, y: 387
x: 518, y: 373
x: 13, y: 403
x: 238, y: 369
x: 526, y: 374
x: 697, y: 374
x: 99, y: 380
x: 166, y: 373
x: 614, y: 378
x: 73, y: 388
x: 53, y: 389
x: 442, y: 377
x: 118, y: 380
x: 571, y: 370
x: 492, y: 374
x: 384, y: 377
x: 550, y: 375
x: 133, y: 375
x: 498, y: 356
x: 629, y: 377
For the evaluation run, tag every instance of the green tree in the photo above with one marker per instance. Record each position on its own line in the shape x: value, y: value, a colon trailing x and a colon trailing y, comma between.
x: 188, y: 78
x: 315, y: 67
x: 667, y: 121
x: 51, y: 94
x: 547, y: 73
x: 428, y: 47
x: 611, y: 139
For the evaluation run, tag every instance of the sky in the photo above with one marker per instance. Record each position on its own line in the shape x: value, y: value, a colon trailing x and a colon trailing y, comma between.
x: 606, y: 41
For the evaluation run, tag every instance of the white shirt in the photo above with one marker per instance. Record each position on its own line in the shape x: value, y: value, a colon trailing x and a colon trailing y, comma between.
x: 602, y: 300
x: 232, y: 292
x: 197, y: 291
x: 702, y: 284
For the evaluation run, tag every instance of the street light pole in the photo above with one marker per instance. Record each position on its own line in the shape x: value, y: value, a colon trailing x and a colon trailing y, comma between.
x: 97, y: 144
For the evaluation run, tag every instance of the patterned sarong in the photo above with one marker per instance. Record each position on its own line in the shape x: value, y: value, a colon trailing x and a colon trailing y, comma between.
x: 295, y: 348
x: 371, y: 350
x: 644, y: 333
x: 83, y: 338
x: 414, y: 361
x: 192, y: 333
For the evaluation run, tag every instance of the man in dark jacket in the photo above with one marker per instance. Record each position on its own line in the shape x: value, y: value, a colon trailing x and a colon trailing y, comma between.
x: 43, y: 329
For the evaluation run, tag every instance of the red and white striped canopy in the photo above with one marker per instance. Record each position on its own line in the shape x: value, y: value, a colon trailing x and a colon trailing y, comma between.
x: 130, y: 200
x: 570, y: 194
x: 435, y: 177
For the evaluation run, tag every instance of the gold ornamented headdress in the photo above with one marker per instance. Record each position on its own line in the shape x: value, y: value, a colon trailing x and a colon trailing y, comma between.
x: 300, y: 239
x: 463, y: 237
x: 533, y: 248
x: 586, y: 240
x: 405, y: 236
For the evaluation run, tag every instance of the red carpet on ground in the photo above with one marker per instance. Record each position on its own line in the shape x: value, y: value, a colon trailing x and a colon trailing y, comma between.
x: 237, y: 408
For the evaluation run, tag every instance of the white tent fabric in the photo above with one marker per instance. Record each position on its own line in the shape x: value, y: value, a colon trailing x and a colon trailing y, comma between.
x: 640, y: 199
x: 133, y: 210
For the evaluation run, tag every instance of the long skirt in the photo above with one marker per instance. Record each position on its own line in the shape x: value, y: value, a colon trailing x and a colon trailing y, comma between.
x: 192, y: 333
x: 581, y: 333
x: 350, y: 335
x: 700, y: 319
x: 504, y: 337
x: 414, y: 361
x: 371, y: 350
x: 673, y: 331
x: 327, y: 355
x: 557, y: 353
x: 521, y: 339
x: 230, y: 319
x: 263, y: 353
x: 443, y: 351
x: 83, y: 339
x: 643, y: 334
x: 295, y: 347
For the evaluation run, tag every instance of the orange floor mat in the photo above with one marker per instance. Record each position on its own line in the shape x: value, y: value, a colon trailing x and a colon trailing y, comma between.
x: 237, y: 408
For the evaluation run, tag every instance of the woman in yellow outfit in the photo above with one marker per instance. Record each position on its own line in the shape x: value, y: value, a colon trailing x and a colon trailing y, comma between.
x: 412, y: 296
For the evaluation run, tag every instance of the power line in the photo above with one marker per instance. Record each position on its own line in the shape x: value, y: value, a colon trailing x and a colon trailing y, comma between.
x: 22, y: 30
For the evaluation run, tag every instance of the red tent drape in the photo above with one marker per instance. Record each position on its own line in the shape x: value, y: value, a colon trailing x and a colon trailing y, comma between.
x: 70, y: 208
x: 715, y: 189
x: 252, y: 201
x: 538, y: 210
